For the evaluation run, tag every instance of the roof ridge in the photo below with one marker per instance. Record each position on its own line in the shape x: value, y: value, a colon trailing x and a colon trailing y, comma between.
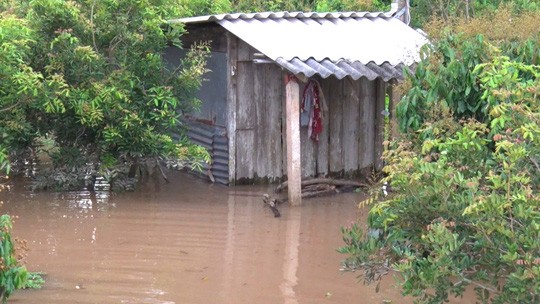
x: 283, y: 15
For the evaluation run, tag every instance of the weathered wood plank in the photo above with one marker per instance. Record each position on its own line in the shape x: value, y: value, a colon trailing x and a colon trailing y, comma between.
x: 245, y: 52
x: 367, y: 124
x: 232, y: 42
x: 245, y: 159
x: 379, y: 123
x: 261, y: 127
x: 309, y: 164
x: 395, y: 97
x: 274, y: 95
x: 293, y: 142
x: 351, y: 125
x: 246, y: 115
x: 322, y: 145
x: 336, y: 125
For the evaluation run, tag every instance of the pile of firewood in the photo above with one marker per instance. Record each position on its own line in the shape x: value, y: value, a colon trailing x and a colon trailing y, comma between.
x: 324, y: 186
x: 311, y: 188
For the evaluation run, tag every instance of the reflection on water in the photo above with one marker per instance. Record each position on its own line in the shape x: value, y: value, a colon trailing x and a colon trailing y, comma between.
x: 290, y: 264
x: 186, y: 242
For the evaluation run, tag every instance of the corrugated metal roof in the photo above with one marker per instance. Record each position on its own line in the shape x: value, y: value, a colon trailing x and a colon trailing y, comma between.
x: 355, y: 44
x: 281, y: 15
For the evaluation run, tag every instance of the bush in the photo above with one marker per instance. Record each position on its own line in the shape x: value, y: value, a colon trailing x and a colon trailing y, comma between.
x: 89, y: 75
x: 465, y: 211
x: 12, y: 275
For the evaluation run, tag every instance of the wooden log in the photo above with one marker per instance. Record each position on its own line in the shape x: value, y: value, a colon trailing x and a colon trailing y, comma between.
x: 161, y: 171
x: 330, y: 181
x: 318, y: 187
x: 294, y: 171
x: 318, y: 193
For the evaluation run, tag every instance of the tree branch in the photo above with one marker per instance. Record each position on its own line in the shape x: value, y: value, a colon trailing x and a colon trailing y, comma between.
x: 10, y: 107
x: 491, y: 289
x: 92, y: 26
x: 535, y: 163
x: 161, y: 170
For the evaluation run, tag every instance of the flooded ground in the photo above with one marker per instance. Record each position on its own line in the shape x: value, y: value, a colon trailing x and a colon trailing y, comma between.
x: 187, y: 242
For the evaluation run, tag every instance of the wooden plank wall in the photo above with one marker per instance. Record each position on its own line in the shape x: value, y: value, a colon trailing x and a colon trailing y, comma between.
x: 367, y: 123
x: 352, y: 127
x: 351, y: 124
x: 324, y: 137
x: 274, y: 93
x: 259, y: 91
x: 335, y: 125
x: 246, y: 114
x: 268, y: 92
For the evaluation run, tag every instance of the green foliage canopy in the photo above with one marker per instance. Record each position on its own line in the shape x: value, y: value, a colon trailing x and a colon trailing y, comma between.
x: 423, y: 11
x: 205, y: 7
x: 466, y: 206
x: 89, y: 74
x: 465, y: 211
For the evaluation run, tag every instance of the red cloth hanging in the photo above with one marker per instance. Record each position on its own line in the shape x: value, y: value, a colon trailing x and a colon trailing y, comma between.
x: 311, y: 102
x: 316, y: 125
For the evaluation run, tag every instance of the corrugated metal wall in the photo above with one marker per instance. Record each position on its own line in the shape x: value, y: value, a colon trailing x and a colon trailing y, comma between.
x: 214, y: 139
x: 212, y: 133
x: 214, y: 86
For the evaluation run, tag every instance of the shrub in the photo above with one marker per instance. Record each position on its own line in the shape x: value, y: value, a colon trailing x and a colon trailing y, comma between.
x: 465, y: 211
x: 89, y: 75
x: 12, y: 274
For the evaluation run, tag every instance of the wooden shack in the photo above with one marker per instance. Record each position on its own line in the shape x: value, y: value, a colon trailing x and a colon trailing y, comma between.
x: 352, y: 56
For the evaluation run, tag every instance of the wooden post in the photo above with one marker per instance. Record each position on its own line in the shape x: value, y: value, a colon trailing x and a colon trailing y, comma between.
x: 395, y: 97
x: 232, y: 56
x: 294, y: 170
x: 379, y: 123
x: 404, y: 17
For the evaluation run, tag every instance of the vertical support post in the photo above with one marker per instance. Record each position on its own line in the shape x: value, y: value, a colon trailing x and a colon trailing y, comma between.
x: 294, y: 170
x: 379, y: 123
x: 395, y: 97
x: 232, y: 56
x: 403, y: 15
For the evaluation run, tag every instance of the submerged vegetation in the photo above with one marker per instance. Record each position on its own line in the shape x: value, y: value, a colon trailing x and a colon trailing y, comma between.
x: 13, y: 275
x: 35, y: 280
x: 83, y: 87
x: 464, y: 210
x: 87, y: 76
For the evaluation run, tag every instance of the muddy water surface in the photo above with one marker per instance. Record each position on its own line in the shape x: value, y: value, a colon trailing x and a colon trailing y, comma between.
x: 187, y: 242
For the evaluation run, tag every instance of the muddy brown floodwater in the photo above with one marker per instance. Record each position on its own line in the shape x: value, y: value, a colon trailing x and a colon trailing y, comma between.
x: 187, y: 242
